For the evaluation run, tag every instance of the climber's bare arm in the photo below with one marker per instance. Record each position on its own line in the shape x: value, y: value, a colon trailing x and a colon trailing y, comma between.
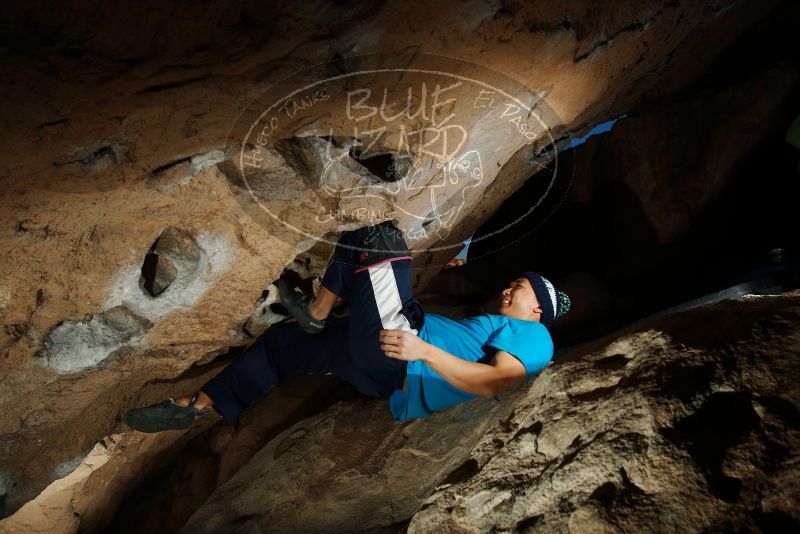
x: 487, y: 380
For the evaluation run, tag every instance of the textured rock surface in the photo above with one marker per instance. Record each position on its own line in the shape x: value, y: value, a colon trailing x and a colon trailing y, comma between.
x: 675, y: 426
x: 83, y: 492
x: 670, y: 425
x: 350, y: 468
x: 112, y: 128
x: 163, y: 502
x: 77, y: 345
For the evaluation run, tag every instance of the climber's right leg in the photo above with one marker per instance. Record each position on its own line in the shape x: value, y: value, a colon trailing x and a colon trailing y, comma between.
x: 282, y: 350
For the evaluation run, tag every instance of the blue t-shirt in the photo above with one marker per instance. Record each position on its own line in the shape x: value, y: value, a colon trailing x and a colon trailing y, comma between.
x: 475, y: 339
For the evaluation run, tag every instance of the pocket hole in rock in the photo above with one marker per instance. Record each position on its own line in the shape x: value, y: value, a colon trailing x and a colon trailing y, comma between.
x: 385, y: 166
x: 157, y: 272
x: 611, y: 363
x: 174, y: 253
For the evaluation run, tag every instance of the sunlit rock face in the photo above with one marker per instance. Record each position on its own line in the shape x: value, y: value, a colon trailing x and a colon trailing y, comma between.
x: 134, y: 245
x: 668, y: 425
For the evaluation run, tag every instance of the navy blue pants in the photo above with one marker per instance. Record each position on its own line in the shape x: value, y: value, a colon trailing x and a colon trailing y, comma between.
x: 379, y: 297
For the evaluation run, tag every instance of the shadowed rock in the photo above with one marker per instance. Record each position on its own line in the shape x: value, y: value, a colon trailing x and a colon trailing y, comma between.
x: 646, y: 429
x: 351, y: 468
x: 658, y: 430
x: 174, y: 254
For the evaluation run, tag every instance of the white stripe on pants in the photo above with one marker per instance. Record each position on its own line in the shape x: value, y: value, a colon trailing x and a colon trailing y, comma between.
x: 387, y: 296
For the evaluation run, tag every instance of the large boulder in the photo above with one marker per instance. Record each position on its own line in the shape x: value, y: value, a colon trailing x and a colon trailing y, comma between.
x: 674, y: 425
x: 348, y: 469
x: 670, y: 424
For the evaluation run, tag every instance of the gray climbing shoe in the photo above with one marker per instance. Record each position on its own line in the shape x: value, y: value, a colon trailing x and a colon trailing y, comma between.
x: 163, y: 416
x: 298, y: 304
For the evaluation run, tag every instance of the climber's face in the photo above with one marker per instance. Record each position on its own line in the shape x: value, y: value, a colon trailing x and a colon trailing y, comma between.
x: 519, y: 301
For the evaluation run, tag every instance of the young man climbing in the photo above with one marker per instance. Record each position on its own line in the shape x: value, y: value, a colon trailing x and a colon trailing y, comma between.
x: 387, y: 346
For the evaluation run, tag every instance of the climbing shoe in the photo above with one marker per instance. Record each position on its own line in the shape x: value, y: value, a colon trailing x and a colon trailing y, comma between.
x: 382, y: 242
x: 299, y: 305
x: 163, y: 416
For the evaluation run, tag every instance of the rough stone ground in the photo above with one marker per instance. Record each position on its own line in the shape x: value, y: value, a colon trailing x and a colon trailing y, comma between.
x: 690, y: 422
x: 686, y: 423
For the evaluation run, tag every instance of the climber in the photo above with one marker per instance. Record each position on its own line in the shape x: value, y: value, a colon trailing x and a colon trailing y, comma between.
x: 387, y: 346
